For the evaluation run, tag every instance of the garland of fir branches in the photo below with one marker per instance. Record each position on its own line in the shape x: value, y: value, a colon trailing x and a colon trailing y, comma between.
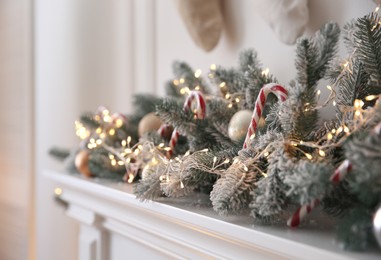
x: 292, y: 156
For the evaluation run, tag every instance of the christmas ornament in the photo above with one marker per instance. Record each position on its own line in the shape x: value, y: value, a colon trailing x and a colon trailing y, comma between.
x: 377, y: 226
x: 277, y: 90
x: 287, y: 18
x: 203, y: 20
x: 238, y: 125
x: 82, y: 163
x: 195, y: 97
x: 149, y: 123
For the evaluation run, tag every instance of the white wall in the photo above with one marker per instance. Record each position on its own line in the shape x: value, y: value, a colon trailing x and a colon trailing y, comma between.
x: 244, y: 28
x: 94, y: 52
x: 81, y: 62
x: 16, y: 121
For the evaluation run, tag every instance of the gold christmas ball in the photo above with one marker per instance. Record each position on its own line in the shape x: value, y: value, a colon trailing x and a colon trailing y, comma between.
x: 82, y: 163
x: 149, y: 123
x: 239, y: 124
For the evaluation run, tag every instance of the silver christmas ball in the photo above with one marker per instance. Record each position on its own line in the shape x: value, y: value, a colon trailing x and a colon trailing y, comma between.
x: 377, y: 226
x: 239, y: 124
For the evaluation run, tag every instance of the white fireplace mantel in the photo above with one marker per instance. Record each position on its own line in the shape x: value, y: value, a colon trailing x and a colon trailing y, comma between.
x: 115, y: 225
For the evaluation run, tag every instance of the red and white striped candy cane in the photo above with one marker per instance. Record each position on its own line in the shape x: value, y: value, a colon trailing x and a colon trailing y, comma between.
x: 301, y: 212
x: 341, y: 172
x: 196, y: 96
x: 164, y: 130
x: 274, y: 88
x: 172, y: 143
x: 200, y: 112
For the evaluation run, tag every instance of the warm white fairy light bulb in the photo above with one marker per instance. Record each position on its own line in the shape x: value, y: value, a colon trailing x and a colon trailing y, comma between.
x: 58, y: 191
x: 197, y: 74
x: 131, y: 178
x: 321, y: 153
x: 371, y: 97
x: 111, y: 132
x: 265, y: 72
x: 118, y: 123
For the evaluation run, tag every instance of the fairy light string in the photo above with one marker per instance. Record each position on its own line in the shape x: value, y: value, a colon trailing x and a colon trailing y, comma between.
x: 128, y: 156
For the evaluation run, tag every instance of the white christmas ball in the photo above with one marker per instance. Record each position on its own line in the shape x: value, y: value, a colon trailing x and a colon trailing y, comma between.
x: 377, y: 226
x: 239, y: 124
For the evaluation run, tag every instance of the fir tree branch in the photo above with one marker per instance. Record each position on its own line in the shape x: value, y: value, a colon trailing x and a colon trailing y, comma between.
x: 59, y: 153
x: 297, y: 116
x: 314, y: 55
x: 144, y: 104
x: 169, y: 110
x: 365, y: 181
x: 149, y: 188
x: 353, y: 84
x: 231, y: 193
x: 367, y: 42
x: 87, y: 119
x: 355, y: 230
x: 269, y: 199
x: 100, y: 166
x: 307, y: 181
x: 183, y: 71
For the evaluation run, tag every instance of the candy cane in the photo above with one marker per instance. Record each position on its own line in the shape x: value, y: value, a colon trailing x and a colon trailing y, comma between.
x: 200, y: 108
x: 200, y: 112
x: 164, y: 130
x: 341, y: 172
x: 172, y: 143
x: 301, y: 212
x: 277, y: 90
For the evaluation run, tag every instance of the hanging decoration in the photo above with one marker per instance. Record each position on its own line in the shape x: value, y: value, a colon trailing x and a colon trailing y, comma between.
x: 203, y: 20
x: 287, y: 18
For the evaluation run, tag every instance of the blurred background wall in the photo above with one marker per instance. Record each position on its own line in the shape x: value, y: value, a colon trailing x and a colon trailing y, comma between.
x: 16, y: 128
